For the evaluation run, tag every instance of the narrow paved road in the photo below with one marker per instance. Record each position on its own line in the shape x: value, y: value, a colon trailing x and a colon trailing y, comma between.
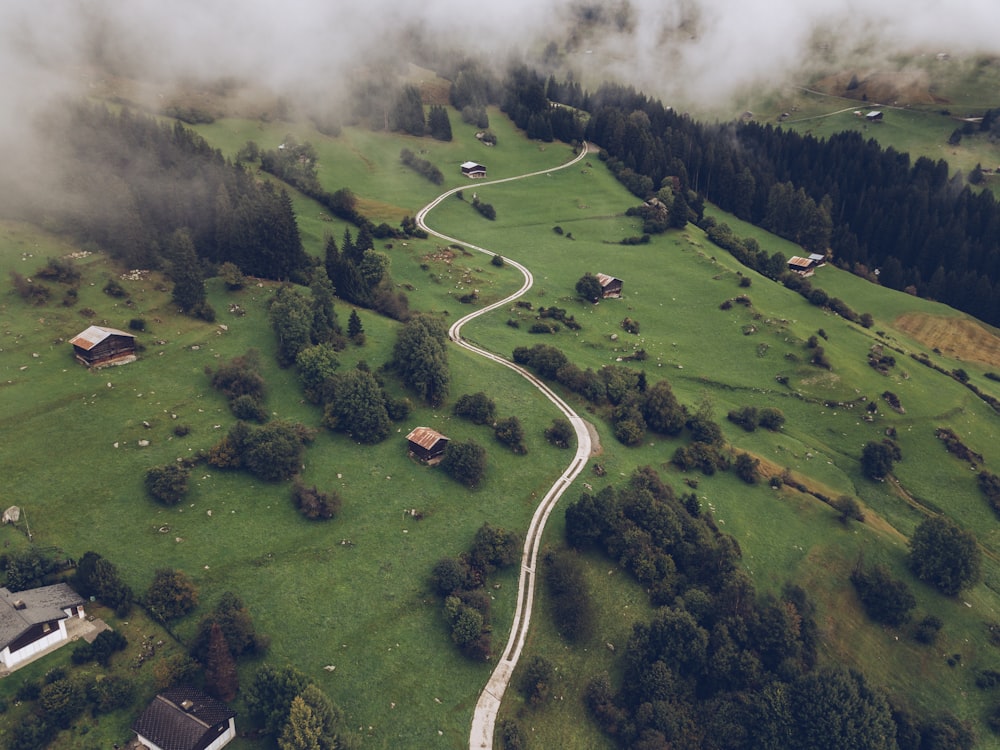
x: 484, y: 718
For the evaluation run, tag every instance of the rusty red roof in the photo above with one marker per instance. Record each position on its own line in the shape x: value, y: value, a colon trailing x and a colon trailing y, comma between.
x: 94, y: 335
x: 425, y: 437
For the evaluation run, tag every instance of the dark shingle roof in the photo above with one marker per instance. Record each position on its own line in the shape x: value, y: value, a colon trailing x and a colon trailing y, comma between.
x: 43, y: 604
x: 172, y: 725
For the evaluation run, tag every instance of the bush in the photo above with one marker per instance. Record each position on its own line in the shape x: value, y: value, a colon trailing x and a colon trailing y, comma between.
x: 137, y: 324
x: 572, y: 609
x: 249, y: 409
x: 313, y: 504
x: 945, y: 555
x: 926, y: 631
x: 884, y: 598
x: 113, y: 289
x: 497, y: 260
x: 167, y: 484
x: 536, y: 681
x: 510, y: 432
x: 465, y: 462
x: 771, y: 418
x: 560, y: 432
x: 478, y: 408
x: 171, y: 595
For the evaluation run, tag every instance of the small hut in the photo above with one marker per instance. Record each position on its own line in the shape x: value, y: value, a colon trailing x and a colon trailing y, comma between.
x: 611, y: 288
x: 874, y: 116
x: 427, y: 445
x: 101, y: 347
x: 473, y: 171
x: 801, y: 266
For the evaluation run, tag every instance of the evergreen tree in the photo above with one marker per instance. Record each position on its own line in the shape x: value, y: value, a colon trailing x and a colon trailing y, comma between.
x: 355, y: 330
x: 678, y: 212
x: 331, y: 260
x: 189, y: 283
x: 221, y: 679
x: 438, y: 123
x: 407, y: 113
x: 324, y: 320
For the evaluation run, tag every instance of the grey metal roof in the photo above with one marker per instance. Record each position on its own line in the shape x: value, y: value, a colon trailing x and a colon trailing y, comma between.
x: 43, y: 604
x: 172, y: 724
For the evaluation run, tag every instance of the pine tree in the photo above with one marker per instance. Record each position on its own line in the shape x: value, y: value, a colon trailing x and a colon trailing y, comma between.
x: 324, y: 321
x: 221, y: 679
x: 354, y: 327
x: 332, y: 259
x: 189, y: 284
x: 438, y: 123
x: 303, y: 730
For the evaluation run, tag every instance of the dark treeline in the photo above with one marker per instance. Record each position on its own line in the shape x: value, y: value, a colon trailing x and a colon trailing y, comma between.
x: 131, y: 181
x: 926, y: 232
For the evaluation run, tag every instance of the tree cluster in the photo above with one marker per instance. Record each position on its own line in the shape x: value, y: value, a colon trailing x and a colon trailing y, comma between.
x: 223, y: 637
x: 420, y: 358
x: 921, y: 227
x: 422, y: 167
x: 885, y: 599
x: 294, y: 711
x: 240, y: 380
x: 98, y: 577
x: 60, y: 697
x: 168, y: 484
x: 141, y: 180
x: 569, y: 593
x: 361, y: 274
x: 170, y: 596
x: 272, y: 452
x: 461, y: 582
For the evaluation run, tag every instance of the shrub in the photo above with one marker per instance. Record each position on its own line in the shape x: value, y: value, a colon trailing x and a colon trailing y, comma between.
x: 248, y: 408
x: 465, y: 462
x: 560, y: 432
x: 510, y: 432
x: 536, y: 680
x: 746, y: 417
x: 28, y: 290
x: 747, y: 468
x: 167, y: 484
x: 113, y: 289
x: 137, y: 324
x: 877, y: 458
x: 771, y: 418
x: 630, y: 326
x: 926, y: 631
x: 945, y: 555
x: 497, y: 260
x: 884, y: 598
x: 848, y: 508
x: 232, y: 276
x: 171, y: 595
x: 313, y: 504
x: 478, y: 408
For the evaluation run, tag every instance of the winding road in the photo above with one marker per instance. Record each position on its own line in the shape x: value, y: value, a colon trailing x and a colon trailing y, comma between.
x: 484, y: 718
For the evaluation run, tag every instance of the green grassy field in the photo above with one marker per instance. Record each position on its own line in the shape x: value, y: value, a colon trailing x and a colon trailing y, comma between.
x: 354, y: 593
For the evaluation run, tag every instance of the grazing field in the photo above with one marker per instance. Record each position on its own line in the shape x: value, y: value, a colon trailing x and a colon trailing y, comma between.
x: 354, y: 593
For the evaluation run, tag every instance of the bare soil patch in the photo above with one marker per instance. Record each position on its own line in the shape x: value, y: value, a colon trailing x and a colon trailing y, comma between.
x: 955, y: 337
x: 901, y: 87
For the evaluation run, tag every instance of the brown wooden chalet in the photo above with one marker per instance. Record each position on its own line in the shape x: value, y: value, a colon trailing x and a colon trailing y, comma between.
x: 473, y: 170
x: 611, y: 288
x: 100, y: 347
x: 801, y: 266
x: 35, y: 620
x: 184, y: 718
x: 427, y: 445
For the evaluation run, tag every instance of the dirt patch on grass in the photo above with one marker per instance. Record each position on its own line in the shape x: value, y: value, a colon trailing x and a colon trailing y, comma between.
x: 955, y: 337
x: 870, y: 87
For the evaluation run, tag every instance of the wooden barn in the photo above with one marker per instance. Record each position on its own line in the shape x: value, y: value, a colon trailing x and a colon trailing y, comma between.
x: 801, y: 266
x: 183, y: 718
x: 474, y: 171
x: 875, y: 116
x: 34, y: 621
x: 611, y: 288
x: 427, y: 445
x: 101, y: 347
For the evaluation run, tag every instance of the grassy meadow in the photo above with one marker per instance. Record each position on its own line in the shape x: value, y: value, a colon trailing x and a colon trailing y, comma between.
x: 353, y: 593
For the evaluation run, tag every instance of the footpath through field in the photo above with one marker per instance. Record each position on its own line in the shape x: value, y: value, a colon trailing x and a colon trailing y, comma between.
x: 484, y: 718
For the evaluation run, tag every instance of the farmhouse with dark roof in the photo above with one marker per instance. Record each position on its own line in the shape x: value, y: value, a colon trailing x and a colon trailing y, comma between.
x: 35, y: 620
x: 473, y: 170
x: 99, y: 347
x: 427, y: 445
x: 184, y: 718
